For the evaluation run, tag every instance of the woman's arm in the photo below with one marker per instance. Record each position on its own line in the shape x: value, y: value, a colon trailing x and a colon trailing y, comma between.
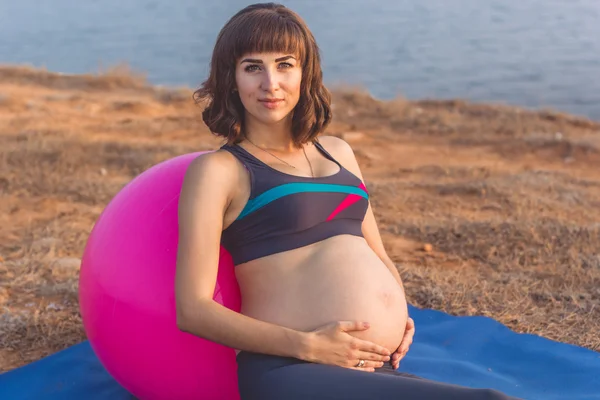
x: 212, y: 321
x: 345, y: 155
x: 207, y: 190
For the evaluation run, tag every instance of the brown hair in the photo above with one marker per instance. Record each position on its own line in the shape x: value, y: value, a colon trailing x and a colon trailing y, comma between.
x: 267, y: 27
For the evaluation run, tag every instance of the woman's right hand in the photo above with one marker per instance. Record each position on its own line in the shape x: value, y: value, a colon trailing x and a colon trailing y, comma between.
x: 332, y: 344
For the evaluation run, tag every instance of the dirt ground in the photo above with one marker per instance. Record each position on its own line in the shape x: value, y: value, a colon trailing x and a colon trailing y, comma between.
x: 486, y: 209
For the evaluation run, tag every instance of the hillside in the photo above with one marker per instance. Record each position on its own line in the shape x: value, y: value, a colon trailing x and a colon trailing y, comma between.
x: 486, y: 209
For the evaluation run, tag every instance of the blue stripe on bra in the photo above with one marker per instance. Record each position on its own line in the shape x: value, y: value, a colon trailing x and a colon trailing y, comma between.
x: 291, y: 188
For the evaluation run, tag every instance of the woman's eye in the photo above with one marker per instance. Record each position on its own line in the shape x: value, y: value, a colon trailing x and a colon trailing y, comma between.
x: 254, y: 67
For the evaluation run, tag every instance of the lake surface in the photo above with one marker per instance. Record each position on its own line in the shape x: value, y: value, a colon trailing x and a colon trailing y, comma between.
x: 534, y: 53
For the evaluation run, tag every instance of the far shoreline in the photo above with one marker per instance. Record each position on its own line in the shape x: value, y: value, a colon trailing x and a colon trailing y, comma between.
x: 29, y: 74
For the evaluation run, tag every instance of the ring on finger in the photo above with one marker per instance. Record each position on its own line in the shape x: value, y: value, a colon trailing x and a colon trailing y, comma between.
x: 360, y: 364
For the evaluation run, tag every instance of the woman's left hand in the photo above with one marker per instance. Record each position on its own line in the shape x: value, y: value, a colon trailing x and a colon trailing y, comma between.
x: 399, y: 354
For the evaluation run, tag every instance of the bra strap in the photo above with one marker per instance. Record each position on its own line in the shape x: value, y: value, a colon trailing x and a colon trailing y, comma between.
x: 325, y: 152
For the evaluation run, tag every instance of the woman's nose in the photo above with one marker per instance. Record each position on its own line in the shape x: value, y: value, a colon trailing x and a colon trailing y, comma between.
x: 270, y: 81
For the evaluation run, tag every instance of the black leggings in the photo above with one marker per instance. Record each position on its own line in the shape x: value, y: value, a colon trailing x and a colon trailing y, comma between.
x: 266, y: 377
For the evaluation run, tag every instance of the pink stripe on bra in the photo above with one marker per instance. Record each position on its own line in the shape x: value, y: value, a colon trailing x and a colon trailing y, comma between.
x: 347, y: 202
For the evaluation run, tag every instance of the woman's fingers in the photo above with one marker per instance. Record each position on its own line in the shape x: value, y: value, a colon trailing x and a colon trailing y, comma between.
x: 407, y: 340
x: 398, y: 355
x: 368, y: 356
x: 373, y: 364
x: 367, y: 365
x: 370, y: 361
x: 371, y: 347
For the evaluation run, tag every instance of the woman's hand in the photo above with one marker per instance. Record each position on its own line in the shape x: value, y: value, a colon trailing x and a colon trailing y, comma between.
x: 332, y: 344
x: 407, y: 340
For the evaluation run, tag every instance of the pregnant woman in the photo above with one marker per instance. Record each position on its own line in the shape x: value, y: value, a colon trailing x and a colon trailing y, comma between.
x: 324, y: 314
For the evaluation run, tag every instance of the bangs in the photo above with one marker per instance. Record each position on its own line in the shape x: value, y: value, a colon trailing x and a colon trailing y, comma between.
x: 269, y: 33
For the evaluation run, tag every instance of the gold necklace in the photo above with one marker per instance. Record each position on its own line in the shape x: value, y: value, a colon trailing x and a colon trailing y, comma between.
x: 303, y: 150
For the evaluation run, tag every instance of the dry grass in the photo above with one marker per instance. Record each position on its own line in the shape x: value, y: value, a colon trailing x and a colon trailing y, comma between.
x: 487, y: 210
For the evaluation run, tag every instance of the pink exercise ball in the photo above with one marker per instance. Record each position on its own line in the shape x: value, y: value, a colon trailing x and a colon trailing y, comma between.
x: 127, y: 295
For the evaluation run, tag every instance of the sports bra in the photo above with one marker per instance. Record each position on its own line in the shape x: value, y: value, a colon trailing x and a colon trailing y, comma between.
x: 285, y: 212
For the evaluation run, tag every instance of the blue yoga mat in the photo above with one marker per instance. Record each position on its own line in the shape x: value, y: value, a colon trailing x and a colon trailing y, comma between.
x: 469, y: 351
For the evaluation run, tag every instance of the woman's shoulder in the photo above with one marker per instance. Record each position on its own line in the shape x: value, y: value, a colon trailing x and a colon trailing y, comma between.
x: 218, y: 166
x: 219, y: 159
x: 337, y: 147
x: 343, y: 153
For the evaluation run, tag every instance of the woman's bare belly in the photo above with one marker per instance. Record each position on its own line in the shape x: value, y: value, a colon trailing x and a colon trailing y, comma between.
x: 339, y: 278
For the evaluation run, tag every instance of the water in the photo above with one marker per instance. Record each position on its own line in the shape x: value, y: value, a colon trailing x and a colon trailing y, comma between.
x: 534, y: 53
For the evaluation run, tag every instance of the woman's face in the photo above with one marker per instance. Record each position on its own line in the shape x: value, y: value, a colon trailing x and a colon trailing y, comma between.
x: 268, y: 85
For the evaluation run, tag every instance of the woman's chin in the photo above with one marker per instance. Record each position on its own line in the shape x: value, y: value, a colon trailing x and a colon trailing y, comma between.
x: 270, y: 116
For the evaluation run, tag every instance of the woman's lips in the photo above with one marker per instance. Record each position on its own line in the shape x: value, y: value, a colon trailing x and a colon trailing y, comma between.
x: 271, y: 103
